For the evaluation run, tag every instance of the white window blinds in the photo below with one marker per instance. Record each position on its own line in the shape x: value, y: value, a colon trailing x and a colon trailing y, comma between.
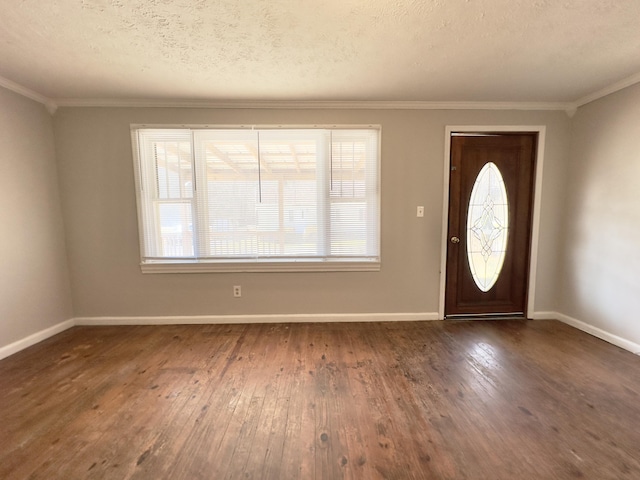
x: 249, y: 196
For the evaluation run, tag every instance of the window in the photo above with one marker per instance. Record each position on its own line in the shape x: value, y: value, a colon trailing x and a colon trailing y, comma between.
x: 258, y: 199
x: 487, y: 227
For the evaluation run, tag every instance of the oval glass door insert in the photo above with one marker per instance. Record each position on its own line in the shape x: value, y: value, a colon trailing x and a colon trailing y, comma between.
x: 487, y: 227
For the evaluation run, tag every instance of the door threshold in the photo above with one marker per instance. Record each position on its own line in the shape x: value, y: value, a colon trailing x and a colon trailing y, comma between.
x: 487, y: 316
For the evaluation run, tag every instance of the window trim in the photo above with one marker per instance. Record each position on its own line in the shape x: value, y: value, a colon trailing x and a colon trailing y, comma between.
x: 259, y: 266
x: 232, y: 265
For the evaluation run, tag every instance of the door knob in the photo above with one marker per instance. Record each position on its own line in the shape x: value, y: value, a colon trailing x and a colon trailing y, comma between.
x: 455, y: 240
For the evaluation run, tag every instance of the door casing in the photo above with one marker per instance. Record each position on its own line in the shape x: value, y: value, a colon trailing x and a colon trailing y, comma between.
x: 537, y: 192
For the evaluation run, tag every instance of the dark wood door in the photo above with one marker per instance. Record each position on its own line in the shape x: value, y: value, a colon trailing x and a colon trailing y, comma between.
x: 490, y: 213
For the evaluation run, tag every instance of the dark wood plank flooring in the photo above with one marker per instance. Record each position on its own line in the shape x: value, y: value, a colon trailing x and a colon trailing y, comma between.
x: 416, y: 400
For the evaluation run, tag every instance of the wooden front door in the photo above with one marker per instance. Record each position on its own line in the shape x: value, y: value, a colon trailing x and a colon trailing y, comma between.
x: 490, y: 216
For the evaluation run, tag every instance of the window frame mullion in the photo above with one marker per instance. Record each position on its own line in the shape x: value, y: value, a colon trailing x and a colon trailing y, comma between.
x: 200, y: 192
x: 198, y: 236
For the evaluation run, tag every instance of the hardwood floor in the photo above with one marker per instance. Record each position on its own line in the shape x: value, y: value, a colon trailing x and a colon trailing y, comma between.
x: 416, y: 400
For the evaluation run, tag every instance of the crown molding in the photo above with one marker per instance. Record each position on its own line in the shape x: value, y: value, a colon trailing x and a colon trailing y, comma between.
x: 26, y: 92
x: 310, y: 105
x: 569, y: 108
x: 608, y: 90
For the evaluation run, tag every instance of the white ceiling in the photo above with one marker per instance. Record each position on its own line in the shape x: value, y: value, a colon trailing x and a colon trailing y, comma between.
x: 320, y: 50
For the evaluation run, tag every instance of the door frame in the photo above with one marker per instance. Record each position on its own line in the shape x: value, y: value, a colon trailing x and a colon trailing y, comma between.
x: 537, y: 199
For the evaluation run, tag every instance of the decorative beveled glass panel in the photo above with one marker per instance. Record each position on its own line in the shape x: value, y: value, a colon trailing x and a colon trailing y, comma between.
x: 487, y: 227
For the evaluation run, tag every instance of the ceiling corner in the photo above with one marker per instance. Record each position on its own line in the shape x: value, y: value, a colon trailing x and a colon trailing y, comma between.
x: 27, y: 92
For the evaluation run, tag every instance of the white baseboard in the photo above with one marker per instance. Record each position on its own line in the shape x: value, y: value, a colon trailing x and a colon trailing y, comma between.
x: 602, y: 334
x: 590, y: 329
x: 275, y: 318
x: 37, y: 337
x: 544, y: 316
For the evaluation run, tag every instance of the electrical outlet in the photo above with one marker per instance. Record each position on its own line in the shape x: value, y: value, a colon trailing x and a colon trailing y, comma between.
x: 420, y: 211
x: 237, y: 291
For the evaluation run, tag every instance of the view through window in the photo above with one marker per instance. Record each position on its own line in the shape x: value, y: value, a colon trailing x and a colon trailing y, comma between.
x: 257, y: 196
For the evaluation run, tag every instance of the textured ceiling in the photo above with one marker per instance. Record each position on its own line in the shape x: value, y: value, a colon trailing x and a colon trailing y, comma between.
x: 350, y: 50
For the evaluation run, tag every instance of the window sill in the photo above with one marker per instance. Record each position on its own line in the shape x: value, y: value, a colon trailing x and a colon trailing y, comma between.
x: 259, y: 267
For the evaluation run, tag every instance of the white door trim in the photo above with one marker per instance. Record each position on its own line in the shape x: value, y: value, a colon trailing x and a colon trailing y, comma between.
x: 535, y: 228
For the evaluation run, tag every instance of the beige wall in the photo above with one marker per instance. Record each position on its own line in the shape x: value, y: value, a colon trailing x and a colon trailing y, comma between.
x: 98, y: 198
x: 601, y: 283
x: 34, y: 281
